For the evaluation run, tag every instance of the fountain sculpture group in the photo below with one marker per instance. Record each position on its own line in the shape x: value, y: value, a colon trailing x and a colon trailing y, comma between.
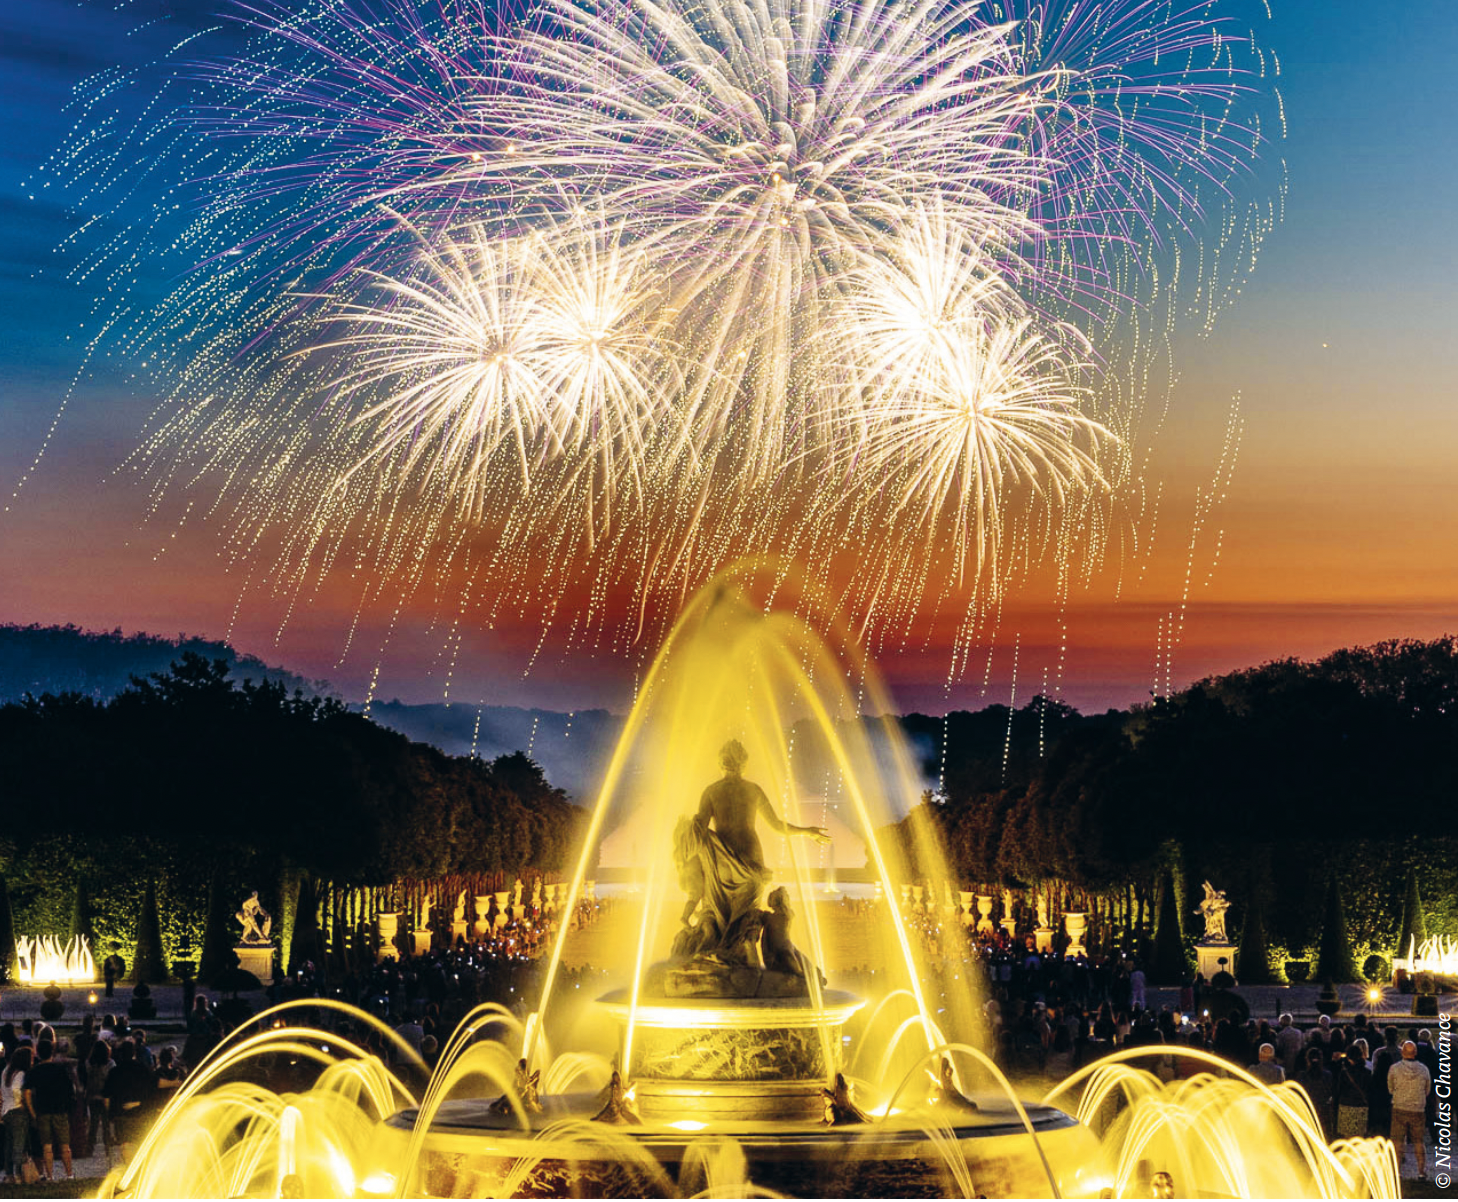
x: 731, y: 1064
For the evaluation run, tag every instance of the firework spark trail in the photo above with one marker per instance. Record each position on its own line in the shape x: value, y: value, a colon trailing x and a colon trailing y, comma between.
x: 874, y: 284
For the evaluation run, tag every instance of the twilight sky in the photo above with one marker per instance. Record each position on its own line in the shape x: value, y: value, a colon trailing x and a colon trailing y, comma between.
x: 1339, y: 527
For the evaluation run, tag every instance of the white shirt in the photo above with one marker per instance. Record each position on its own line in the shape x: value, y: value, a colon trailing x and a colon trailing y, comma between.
x: 10, y: 1092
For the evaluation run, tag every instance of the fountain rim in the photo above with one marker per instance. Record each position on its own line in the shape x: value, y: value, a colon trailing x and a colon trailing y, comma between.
x: 897, y: 1135
x: 741, y: 1014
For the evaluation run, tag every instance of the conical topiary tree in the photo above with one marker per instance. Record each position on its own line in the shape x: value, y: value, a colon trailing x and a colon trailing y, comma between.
x: 9, y: 953
x: 1414, y: 928
x: 82, y: 926
x: 217, y: 948
x: 1254, y: 964
x: 1335, y: 963
x: 1171, y: 966
x: 150, y: 966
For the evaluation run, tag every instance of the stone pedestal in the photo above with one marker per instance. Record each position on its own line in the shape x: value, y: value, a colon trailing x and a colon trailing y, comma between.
x: 518, y: 912
x: 459, y: 930
x: 256, y: 958
x: 762, y: 1059
x: 1208, y: 956
x: 984, y: 914
x: 1076, y: 924
x: 1043, y: 939
x: 1010, y: 927
x: 420, y: 943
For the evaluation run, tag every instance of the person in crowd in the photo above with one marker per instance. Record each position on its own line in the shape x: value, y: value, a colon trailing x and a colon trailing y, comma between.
x: 1320, y: 1087
x: 1410, y: 1084
x: 98, y: 1065
x: 127, y: 1090
x: 168, y: 1075
x: 1379, y: 1101
x: 1288, y: 1044
x: 1427, y: 1056
x: 411, y: 1031
x: 1353, y: 1082
x: 199, y: 1040
x: 81, y: 1046
x: 14, y: 1113
x: 50, y: 1094
x: 1137, y: 985
x: 1265, y: 1068
x: 144, y: 1053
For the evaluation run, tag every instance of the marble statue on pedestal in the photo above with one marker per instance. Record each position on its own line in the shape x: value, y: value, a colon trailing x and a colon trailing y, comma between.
x: 257, y: 922
x: 1213, y: 910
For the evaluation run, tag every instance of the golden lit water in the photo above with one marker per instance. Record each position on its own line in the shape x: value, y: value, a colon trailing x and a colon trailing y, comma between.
x: 744, y: 661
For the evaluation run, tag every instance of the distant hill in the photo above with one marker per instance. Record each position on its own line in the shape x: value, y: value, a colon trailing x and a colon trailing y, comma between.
x: 67, y: 659
x: 571, y: 748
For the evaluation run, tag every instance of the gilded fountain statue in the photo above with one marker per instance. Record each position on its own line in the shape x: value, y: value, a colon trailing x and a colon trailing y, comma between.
x: 730, y: 943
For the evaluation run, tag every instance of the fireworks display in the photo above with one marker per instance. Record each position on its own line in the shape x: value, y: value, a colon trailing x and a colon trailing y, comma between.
x: 581, y: 302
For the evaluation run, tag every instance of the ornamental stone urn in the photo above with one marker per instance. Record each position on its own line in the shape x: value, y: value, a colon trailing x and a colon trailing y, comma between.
x: 984, y: 914
x: 1075, y: 922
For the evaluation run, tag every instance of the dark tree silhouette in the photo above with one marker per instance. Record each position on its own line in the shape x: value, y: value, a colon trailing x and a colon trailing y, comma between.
x: 1414, y: 928
x: 1254, y: 961
x: 1335, y: 963
x: 1171, y: 965
x: 9, y: 952
x: 149, y: 965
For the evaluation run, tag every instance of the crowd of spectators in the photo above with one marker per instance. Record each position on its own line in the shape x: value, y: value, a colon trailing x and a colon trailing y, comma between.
x: 59, y: 1097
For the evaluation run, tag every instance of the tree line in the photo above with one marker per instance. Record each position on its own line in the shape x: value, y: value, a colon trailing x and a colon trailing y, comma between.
x: 204, y: 788
x: 1302, y: 789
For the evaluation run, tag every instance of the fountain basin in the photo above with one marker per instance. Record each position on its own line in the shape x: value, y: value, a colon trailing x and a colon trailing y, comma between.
x: 907, y: 1154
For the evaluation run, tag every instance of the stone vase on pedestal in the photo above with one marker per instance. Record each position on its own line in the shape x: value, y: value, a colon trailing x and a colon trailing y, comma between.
x: 984, y: 914
x: 1076, y: 924
x: 965, y: 902
x: 483, y: 906
x: 387, y: 923
x: 501, y: 907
